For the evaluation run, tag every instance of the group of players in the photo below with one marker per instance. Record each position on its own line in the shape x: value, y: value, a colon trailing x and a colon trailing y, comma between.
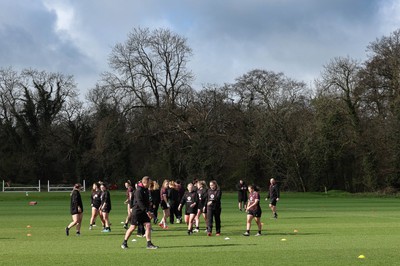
x: 144, y: 199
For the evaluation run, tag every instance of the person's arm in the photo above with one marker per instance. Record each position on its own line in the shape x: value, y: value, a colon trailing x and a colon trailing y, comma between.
x: 277, y: 192
x: 183, y: 201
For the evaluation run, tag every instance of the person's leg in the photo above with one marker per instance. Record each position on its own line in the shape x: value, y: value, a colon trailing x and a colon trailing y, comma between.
x: 106, y: 222
x: 150, y: 245
x: 191, y: 219
x: 74, y: 221
x: 210, y: 214
x: 79, y: 222
x: 103, y: 222
x: 218, y: 221
x: 258, y: 221
x: 248, y: 224
x: 128, y: 233
x: 93, y: 217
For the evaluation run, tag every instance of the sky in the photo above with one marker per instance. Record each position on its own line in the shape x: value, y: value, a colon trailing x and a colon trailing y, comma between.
x: 228, y: 37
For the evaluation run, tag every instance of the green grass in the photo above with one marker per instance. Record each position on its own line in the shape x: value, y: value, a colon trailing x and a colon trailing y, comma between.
x: 333, y: 229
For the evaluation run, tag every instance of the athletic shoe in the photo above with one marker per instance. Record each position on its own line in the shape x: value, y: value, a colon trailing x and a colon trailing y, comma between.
x: 78, y: 233
x: 209, y: 234
x: 217, y: 234
x: 126, y: 226
x: 67, y: 231
x: 258, y: 234
x: 124, y: 246
x: 106, y: 230
x: 240, y: 209
x: 275, y: 215
x: 195, y: 230
x: 151, y: 246
x: 155, y: 220
x: 90, y: 227
x: 246, y: 234
x: 189, y: 233
x: 161, y: 225
x: 165, y: 227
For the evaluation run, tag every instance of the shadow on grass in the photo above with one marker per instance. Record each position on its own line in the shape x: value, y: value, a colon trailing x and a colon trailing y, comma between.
x: 207, y: 246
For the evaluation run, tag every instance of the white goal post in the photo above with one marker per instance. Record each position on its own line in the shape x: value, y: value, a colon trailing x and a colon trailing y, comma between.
x: 21, y: 189
x: 63, y: 188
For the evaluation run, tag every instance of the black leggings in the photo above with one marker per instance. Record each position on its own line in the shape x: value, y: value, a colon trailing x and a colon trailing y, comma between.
x: 211, y: 213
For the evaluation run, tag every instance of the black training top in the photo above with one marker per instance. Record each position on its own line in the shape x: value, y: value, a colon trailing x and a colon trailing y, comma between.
x: 142, y: 202
x: 173, y: 196
x: 76, y: 201
x: 202, y: 193
x: 188, y: 199
x: 273, y: 192
x: 95, y: 198
x: 106, y: 198
x: 215, y: 197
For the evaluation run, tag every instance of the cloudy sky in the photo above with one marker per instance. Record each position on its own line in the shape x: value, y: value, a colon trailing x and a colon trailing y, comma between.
x: 228, y: 37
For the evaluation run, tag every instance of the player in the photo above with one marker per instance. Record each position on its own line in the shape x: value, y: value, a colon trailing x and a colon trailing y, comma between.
x: 173, y: 200
x: 105, y: 207
x: 253, y: 210
x: 129, y: 195
x: 164, y: 204
x: 213, y: 208
x: 141, y: 213
x: 241, y: 187
x: 202, y: 195
x: 76, y: 210
x: 95, y: 204
x: 155, y: 199
x: 190, y: 200
x: 273, y: 196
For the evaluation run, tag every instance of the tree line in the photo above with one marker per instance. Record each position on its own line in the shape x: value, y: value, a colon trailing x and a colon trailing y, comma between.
x: 143, y: 117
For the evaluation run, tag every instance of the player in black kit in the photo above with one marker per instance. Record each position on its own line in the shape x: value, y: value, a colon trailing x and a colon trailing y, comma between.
x: 213, y: 208
x: 190, y: 200
x: 76, y: 210
x: 141, y: 213
x: 273, y: 196
x: 95, y: 204
x: 105, y: 207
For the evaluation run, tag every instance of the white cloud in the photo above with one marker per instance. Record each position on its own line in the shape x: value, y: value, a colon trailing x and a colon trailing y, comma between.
x: 390, y: 16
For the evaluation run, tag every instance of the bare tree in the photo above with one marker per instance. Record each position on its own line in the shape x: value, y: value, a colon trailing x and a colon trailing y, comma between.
x: 151, y: 66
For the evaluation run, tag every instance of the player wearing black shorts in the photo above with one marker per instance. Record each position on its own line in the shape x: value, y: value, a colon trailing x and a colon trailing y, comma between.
x: 76, y: 207
x: 141, y: 213
x: 241, y: 187
x: 202, y: 195
x: 164, y: 204
x: 129, y: 195
x: 273, y: 196
x: 95, y: 200
x: 253, y: 210
x: 105, y: 207
x: 213, y: 208
x: 190, y: 200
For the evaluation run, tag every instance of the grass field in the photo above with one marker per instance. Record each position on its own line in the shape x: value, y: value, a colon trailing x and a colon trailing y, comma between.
x: 333, y: 229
